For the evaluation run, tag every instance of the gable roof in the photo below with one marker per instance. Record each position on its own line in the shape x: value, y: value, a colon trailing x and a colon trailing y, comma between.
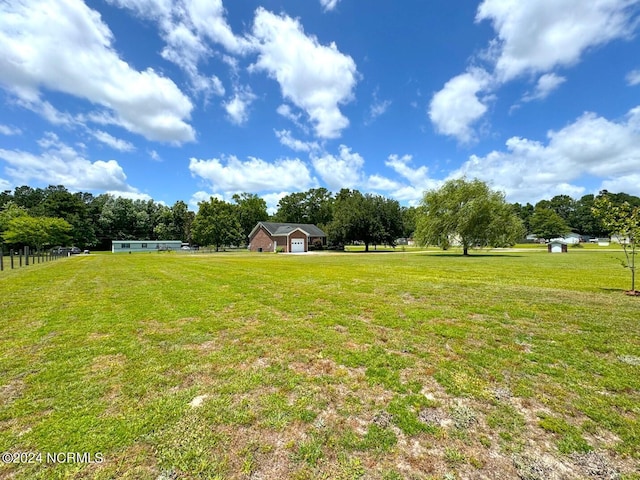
x: 284, y: 229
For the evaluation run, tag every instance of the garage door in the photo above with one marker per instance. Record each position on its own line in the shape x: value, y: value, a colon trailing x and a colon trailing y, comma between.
x: 297, y: 245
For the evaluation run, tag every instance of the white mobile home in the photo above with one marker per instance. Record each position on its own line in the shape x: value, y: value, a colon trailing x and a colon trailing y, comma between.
x: 128, y: 246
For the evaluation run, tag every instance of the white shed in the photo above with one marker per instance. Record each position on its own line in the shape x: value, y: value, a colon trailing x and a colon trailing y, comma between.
x: 557, y: 247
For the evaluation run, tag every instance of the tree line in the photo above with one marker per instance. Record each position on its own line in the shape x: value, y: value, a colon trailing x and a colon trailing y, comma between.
x: 45, y: 217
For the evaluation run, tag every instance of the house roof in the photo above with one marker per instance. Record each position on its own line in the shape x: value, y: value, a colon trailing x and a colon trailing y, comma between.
x: 284, y: 229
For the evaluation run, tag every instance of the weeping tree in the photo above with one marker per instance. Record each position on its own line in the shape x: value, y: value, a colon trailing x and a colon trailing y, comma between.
x: 467, y: 213
x: 621, y: 220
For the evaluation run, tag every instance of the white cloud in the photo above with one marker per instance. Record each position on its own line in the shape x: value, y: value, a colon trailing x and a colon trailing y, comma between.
x: 590, y: 146
x: 230, y: 174
x: 5, y: 185
x: 377, y: 108
x: 343, y: 171
x: 633, y: 78
x: 155, y: 156
x: 418, y: 179
x: 625, y: 183
x: 60, y: 164
x: 65, y: 47
x: 7, y: 130
x: 380, y: 183
x: 48, y: 111
x: 328, y: 5
x: 417, y: 176
x: 455, y: 108
x: 131, y: 195
x: 187, y: 27
x: 314, y: 77
x: 272, y: 200
x: 536, y: 36
x: 113, y: 142
x: 287, y: 112
x: 533, y: 37
x: 237, y: 107
x: 547, y: 83
x: 287, y: 140
x: 202, y: 196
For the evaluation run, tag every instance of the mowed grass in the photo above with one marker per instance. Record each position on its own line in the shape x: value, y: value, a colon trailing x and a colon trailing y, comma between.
x: 347, y: 365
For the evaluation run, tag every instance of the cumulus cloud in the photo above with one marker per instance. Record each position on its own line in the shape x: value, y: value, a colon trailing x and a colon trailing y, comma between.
x: 417, y: 180
x: 7, y: 130
x: 187, y: 27
x: 316, y: 78
x: 547, y: 83
x: 532, y: 37
x: 131, y: 195
x: 272, y: 200
x: 230, y: 174
x: 237, y: 107
x: 113, y: 142
x: 633, y: 78
x: 537, y: 36
x: 377, y: 108
x: 287, y: 139
x: 341, y: 171
x: 454, y: 109
x: 590, y: 146
x: 65, y: 47
x: 60, y: 164
x: 328, y: 5
x: 201, y: 196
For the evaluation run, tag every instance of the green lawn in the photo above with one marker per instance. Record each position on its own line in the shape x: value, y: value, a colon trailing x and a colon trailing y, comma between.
x: 340, y: 365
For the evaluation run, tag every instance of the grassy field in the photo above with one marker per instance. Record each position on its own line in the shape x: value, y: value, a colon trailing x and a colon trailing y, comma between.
x: 419, y: 365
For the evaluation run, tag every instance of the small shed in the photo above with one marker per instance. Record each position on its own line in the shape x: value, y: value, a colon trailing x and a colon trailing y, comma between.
x: 132, y: 246
x: 557, y: 247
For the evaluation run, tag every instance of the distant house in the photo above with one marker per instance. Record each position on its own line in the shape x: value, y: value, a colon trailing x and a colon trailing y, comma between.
x: 290, y: 237
x: 129, y: 246
x: 570, y: 238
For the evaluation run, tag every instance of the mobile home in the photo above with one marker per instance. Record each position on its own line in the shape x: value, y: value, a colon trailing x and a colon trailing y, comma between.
x: 129, y: 246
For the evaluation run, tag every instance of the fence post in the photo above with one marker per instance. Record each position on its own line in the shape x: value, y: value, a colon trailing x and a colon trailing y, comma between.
x: 20, y: 252
x: 1, y: 260
x: 26, y: 255
x: 11, y: 258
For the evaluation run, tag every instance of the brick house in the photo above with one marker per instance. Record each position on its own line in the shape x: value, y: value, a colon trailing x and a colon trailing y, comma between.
x: 291, y: 237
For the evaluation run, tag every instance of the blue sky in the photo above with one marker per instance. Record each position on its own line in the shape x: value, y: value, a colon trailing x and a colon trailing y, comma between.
x: 181, y: 100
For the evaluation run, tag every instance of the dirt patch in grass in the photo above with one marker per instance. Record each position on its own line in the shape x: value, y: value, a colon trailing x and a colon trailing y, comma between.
x: 11, y: 391
x: 106, y: 363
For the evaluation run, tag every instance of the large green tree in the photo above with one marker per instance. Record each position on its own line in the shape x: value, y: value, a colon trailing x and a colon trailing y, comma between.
x: 313, y: 206
x: 250, y: 209
x: 622, y: 220
x: 370, y: 219
x: 8, y: 212
x: 216, y: 224
x: 524, y: 212
x: 546, y: 223
x: 37, y: 232
x: 468, y: 213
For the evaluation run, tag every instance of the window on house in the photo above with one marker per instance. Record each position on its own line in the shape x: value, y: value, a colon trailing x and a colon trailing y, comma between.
x: 126, y: 245
x: 144, y: 245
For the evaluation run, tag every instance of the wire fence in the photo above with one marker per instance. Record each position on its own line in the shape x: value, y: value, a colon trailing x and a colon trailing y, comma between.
x: 25, y: 256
